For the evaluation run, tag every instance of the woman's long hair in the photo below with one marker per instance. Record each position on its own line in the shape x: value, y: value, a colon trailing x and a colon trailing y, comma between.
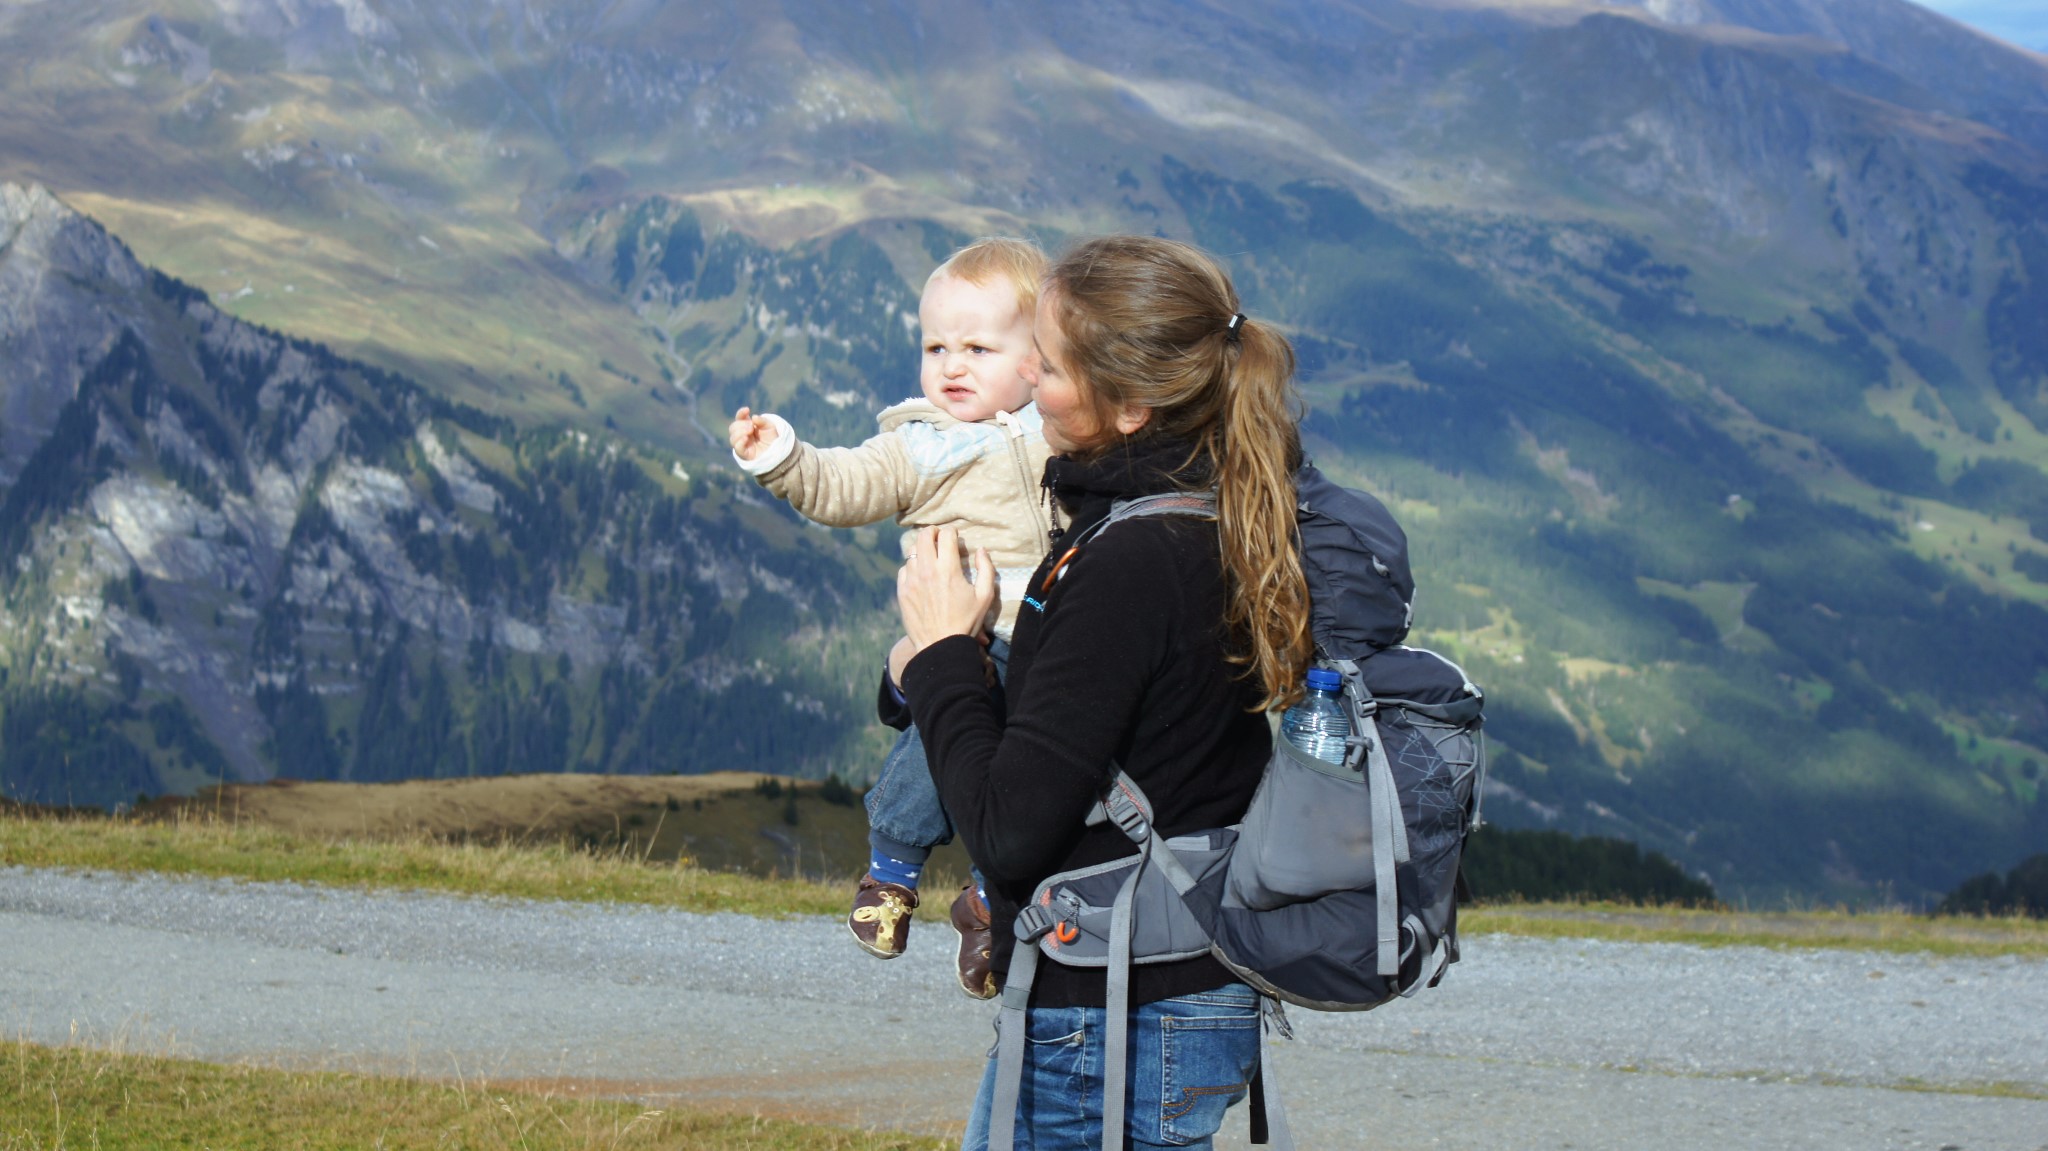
x: 1149, y: 323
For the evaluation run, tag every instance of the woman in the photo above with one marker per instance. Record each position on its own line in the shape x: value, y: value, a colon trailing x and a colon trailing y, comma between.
x: 1157, y: 647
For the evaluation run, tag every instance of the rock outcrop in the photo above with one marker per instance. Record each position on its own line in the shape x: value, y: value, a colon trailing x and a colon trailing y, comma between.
x: 66, y: 288
x: 290, y: 563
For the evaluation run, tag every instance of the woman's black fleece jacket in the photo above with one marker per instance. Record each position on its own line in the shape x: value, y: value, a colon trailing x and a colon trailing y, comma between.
x: 1121, y: 660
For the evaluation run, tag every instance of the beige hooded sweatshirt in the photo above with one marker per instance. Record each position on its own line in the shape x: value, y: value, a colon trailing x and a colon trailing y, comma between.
x: 928, y: 469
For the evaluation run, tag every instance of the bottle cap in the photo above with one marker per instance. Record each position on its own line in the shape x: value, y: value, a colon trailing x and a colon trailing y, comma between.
x: 1323, y: 679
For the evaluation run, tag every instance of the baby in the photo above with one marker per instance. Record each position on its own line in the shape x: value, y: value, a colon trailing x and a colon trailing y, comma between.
x: 969, y: 455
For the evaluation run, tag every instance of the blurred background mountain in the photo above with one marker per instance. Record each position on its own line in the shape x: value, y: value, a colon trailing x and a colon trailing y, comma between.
x: 2020, y: 22
x: 363, y: 366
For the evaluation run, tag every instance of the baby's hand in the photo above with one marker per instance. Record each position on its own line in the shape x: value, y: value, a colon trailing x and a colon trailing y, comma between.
x: 749, y: 433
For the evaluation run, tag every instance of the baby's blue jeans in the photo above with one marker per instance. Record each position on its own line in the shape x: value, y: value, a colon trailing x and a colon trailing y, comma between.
x: 905, y: 818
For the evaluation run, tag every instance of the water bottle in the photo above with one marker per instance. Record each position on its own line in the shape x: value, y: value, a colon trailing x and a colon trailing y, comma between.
x: 1319, y: 723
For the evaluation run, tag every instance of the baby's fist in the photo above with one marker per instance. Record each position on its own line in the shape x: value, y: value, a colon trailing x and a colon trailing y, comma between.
x: 749, y: 433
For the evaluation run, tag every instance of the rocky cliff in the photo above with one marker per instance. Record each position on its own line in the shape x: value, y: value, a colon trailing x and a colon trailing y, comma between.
x: 239, y: 554
x: 66, y: 289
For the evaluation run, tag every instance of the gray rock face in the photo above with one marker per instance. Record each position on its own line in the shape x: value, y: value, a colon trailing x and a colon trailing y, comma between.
x: 308, y: 26
x: 469, y: 490
x: 66, y: 288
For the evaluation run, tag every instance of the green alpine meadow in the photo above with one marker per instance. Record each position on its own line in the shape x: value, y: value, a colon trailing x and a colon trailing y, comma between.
x: 365, y: 365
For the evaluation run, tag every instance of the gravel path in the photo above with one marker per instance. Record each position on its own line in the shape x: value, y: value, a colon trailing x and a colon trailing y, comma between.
x: 1529, y: 1043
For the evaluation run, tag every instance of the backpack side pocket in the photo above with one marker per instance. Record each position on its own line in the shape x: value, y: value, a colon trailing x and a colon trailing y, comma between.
x: 1308, y: 832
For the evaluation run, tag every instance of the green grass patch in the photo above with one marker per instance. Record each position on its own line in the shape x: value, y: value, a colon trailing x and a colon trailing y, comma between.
x: 1880, y: 931
x: 52, y: 1099
x: 1720, y: 601
x: 1993, y: 1088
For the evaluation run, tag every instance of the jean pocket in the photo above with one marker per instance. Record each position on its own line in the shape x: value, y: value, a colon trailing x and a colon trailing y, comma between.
x: 1229, y: 1000
x: 1206, y: 1062
x: 1071, y: 1039
x: 1057, y: 1064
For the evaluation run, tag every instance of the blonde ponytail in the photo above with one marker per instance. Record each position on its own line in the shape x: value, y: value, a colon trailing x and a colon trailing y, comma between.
x: 1255, y: 465
x: 1155, y: 324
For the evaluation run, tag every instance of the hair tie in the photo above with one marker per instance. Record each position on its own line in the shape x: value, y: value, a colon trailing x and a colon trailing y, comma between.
x: 1234, y: 331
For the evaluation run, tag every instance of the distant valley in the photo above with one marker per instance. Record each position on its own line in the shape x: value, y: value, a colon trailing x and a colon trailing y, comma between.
x: 362, y: 367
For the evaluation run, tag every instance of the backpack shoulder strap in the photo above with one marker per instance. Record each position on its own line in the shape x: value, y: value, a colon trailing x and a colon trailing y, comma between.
x: 1200, y: 504
x: 1389, y: 828
x: 1196, y: 505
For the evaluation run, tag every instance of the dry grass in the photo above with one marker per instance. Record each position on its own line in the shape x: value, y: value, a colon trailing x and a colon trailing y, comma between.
x: 207, y: 846
x: 196, y: 842
x: 722, y: 821
x: 64, y: 1098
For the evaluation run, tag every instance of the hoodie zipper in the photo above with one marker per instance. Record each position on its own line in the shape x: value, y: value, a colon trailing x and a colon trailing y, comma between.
x: 1028, y: 485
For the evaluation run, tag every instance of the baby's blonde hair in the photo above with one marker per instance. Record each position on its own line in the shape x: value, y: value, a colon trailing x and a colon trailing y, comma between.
x: 998, y: 258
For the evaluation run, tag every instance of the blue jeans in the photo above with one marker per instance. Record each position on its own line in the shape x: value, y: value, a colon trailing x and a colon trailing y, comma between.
x: 904, y: 813
x: 1191, y: 1059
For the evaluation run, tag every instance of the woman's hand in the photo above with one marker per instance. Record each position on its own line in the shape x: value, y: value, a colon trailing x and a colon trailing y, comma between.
x: 934, y: 596
x: 899, y: 658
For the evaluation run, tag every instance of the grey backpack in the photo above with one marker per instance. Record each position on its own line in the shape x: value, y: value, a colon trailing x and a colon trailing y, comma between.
x: 1338, y: 890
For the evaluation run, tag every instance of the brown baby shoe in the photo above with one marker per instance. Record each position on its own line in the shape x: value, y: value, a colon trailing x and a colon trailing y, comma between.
x: 977, y: 944
x: 880, y: 919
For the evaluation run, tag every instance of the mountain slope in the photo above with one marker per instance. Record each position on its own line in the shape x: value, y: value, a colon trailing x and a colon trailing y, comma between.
x: 407, y: 154
x: 235, y: 554
x: 1698, y: 342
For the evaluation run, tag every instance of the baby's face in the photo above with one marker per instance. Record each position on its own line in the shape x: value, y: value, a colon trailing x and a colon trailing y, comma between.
x: 975, y: 339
